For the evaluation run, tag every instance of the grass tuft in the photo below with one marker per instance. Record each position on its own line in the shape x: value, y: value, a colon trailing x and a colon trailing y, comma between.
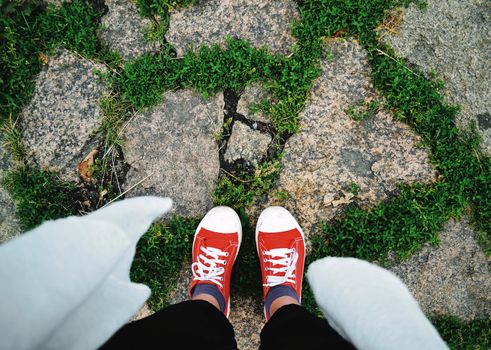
x: 475, y: 335
x: 160, y: 255
x: 40, y: 195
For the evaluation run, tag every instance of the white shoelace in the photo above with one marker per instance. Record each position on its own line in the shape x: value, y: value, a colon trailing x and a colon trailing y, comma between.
x: 287, y: 259
x: 212, y: 272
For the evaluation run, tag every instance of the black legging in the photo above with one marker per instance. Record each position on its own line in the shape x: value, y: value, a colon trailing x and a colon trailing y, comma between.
x: 199, y: 325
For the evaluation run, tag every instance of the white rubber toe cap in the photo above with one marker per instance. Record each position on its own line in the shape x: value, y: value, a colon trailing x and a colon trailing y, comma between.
x: 276, y: 219
x: 221, y: 219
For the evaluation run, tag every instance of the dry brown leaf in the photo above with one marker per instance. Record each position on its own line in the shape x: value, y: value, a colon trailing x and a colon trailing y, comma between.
x: 347, y: 199
x: 85, y: 168
x: 339, y: 33
x: 102, y: 194
x: 43, y: 58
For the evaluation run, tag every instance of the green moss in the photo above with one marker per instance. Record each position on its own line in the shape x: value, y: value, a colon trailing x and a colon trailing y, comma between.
x: 160, y: 255
x: 240, y: 192
x: 475, y: 335
x: 40, y: 196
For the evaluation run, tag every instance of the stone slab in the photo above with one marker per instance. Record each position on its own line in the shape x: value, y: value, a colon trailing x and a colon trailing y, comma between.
x: 261, y: 22
x: 452, y: 279
x: 172, y: 147
x: 453, y: 38
x: 9, y: 224
x: 332, y: 151
x: 247, y: 144
x: 123, y: 30
x: 252, y: 94
x: 59, y: 122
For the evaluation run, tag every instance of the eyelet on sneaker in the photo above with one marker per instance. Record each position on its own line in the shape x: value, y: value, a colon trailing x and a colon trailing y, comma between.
x: 226, y: 254
x: 264, y: 252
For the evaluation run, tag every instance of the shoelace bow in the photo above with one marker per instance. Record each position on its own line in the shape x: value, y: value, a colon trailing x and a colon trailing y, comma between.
x: 287, y: 259
x: 206, y: 268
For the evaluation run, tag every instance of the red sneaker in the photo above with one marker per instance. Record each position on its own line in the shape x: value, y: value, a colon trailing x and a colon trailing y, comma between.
x: 215, y: 248
x: 281, y: 248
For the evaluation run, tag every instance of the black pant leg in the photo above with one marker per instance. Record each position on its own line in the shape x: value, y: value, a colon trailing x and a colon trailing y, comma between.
x: 293, y: 327
x: 188, y: 325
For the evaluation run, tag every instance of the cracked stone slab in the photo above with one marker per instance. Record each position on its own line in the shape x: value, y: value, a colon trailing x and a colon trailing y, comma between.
x: 452, y: 279
x: 261, y: 22
x: 333, y: 151
x: 251, y: 95
x: 63, y: 114
x: 123, y: 30
x: 246, y: 313
x: 9, y: 224
x: 172, y: 148
x: 246, y: 143
x: 453, y: 38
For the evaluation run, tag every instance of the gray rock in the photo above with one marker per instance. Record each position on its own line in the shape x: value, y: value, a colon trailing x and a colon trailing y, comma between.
x: 123, y: 30
x: 9, y: 224
x: 248, y: 144
x: 453, y: 279
x: 261, y: 22
x: 252, y: 94
x: 172, y: 147
x: 247, y: 318
x: 181, y: 292
x: 333, y: 151
x: 142, y: 313
x: 453, y: 38
x: 63, y: 114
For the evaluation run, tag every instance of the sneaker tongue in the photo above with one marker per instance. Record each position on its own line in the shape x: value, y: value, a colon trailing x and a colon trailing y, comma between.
x: 278, y: 241
x: 220, y: 240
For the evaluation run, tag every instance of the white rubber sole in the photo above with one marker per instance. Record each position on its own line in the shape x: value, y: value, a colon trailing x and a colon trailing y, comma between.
x: 224, y: 220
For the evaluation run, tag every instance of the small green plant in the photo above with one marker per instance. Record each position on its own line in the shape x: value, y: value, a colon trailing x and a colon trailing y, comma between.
x: 219, y: 135
x: 12, y: 139
x: 115, y: 113
x: 149, y: 8
x: 353, y: 189
x: 364, y: 110
x: 40, y: 195
x: 475, y: 335
x: 160, y: 255
x: 241, y: 192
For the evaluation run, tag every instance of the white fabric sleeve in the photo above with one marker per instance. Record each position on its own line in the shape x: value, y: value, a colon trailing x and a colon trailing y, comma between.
x: 66, y: 285
x: 370, y: 306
